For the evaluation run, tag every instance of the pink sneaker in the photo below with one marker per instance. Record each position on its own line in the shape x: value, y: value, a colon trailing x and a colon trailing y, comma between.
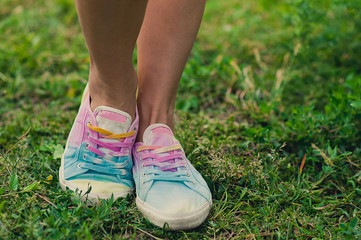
x: 169, y: 189
x: 98, y: 153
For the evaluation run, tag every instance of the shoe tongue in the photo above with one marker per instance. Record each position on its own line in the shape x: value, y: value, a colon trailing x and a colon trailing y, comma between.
x: 113, y: 120
x: 159, y: 135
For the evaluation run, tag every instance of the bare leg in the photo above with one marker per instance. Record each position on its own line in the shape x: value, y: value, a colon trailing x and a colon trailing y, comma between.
x: 111, y: 29
x: 164, y: 43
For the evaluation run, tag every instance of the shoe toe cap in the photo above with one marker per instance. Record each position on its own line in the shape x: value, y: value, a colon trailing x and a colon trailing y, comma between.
x: 98, y: 187
x: 174, y: 198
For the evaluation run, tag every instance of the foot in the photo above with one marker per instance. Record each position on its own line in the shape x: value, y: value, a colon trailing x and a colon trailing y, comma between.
x: 169, y: 189
x: 98, y: 153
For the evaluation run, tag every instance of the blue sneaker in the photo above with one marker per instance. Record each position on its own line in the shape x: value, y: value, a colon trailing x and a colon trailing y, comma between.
x: 170, y: 191
x: 98, y: 153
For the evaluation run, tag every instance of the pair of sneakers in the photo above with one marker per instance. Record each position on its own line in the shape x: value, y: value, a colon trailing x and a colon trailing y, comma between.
x: 101, y: 153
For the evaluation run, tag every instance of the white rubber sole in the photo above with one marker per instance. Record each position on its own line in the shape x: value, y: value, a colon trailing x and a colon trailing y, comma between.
x: 175, y: 221
x: 90, y: 198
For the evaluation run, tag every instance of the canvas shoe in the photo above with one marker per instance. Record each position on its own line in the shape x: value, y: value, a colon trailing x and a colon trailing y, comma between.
x: 98, y: 153
x: 170, y: 191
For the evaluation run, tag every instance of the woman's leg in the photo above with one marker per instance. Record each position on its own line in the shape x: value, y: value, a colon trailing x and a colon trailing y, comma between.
x: 169, y: 189
x: 164, y: 43
x: 103, y: 131
x: 111, y: 29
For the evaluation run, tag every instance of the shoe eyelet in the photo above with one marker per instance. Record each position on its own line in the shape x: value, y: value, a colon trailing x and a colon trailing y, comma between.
x: 188, y: 174
x: 84, y: 156
x: 143, y: 165
x: 87, y: 146
x: 194, y: 183
x: 144, y: 174
x: 88, y: 134
x: 79, y: 165
x: 143, y: 183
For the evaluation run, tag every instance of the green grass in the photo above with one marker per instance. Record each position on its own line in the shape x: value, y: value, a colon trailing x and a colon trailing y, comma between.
x: 269, y: 84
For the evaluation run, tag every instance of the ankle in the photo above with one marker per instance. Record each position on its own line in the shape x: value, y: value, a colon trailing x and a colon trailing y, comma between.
x: 117, y: 93
x: 152, y: 113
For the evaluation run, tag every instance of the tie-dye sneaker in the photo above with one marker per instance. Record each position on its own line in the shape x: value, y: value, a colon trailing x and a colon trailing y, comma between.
x: 98, y: 153
x: 170, y: 191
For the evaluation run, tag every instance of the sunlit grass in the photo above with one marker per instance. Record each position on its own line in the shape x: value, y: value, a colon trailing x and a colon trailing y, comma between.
x: 269, y: 111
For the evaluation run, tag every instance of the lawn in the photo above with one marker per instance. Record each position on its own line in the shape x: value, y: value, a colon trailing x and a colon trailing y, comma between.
x: 268, y: 110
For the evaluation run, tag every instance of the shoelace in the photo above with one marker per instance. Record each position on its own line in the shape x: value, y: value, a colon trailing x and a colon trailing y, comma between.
x: 107, y: 165
x: 168, y: 163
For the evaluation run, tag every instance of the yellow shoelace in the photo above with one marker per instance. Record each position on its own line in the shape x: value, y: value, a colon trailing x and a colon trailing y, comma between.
x: 109, y: 134
x: 159, y: 149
